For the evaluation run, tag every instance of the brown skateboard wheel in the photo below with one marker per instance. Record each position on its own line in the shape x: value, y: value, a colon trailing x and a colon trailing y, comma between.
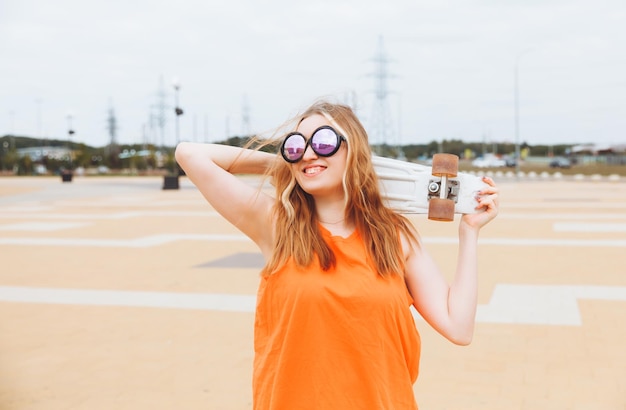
x: 441, y: 209
x: 445, y: 165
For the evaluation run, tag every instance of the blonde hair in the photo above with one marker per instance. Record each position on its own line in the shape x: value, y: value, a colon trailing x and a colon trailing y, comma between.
x: 297, y: 233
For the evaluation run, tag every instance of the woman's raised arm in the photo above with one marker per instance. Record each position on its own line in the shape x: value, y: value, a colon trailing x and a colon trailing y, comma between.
x: 213, y: 167
x: 451, y: 308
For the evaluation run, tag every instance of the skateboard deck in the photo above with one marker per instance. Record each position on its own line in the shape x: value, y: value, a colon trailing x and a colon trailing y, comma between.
x: 408, y: 187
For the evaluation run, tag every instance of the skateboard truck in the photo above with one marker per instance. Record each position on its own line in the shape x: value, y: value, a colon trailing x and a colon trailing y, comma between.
x: 441, y: 207
x: 451, y: 186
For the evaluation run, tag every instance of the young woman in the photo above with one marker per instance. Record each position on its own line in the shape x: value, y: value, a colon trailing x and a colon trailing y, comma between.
x: 333, y: 329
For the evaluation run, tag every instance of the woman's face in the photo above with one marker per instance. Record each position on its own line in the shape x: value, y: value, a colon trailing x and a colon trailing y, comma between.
x: 320, y: 176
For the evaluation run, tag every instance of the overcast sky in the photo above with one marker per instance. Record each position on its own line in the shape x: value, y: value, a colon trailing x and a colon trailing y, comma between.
x: 451, y: 67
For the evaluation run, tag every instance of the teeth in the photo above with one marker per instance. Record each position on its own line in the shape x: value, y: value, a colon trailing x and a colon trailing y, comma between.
x: 312, y: 170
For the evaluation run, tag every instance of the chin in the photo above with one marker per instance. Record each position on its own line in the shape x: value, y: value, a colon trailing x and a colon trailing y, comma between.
x: 321, y: 190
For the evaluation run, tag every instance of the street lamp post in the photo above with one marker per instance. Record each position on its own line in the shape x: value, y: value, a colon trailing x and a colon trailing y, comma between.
x: 5, y: 146
x: 177, y: 110
x: 171, y: 181
x: 12, y: 115
x: 66, y: 175
x: 517, y: 136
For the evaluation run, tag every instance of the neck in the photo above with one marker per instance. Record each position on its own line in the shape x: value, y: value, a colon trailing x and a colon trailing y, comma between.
x: 338, y: 227
x: 330, y: 209
x: 332, y: 215
x: 332, y: 222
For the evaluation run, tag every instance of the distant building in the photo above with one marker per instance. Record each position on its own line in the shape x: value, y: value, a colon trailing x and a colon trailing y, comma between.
x: 595, y: 149
x: 37, y: 153
x: 599, y: 153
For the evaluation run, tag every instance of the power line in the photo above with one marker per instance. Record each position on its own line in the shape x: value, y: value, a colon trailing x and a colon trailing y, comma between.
x: 381, y: 123
x: 112, y: 125
x: 160, y: 110
x: 245, y: 117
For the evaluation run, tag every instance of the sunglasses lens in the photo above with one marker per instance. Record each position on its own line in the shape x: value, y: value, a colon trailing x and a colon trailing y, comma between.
x: 324, y: 141
x: 293, y: 148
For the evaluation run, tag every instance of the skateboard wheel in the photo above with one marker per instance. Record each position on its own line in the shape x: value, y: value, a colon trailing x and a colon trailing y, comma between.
x: 445, y: 165
x: 441, y: 209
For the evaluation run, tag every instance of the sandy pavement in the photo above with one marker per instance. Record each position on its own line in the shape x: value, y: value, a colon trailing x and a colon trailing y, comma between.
x: 115, y: 294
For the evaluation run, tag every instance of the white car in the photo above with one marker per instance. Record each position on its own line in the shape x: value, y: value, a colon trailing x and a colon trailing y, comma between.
x: 489, y: 162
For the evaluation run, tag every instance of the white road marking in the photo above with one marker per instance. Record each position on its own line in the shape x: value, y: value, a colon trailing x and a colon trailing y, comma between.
x: 107, y: 216
x: 576, y: 204
x: 197, y: 301
x: 28, y: 213
x: 561, y: 216
x: 42, y: 226
x: 543, y: 304
x: 534, y: 242
x: 157, y: 240
x: 555, y: 305
x: 588, y: 227
x: 142, y: 242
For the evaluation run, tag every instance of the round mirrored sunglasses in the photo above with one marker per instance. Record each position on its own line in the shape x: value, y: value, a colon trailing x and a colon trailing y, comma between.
x: 324, y: 142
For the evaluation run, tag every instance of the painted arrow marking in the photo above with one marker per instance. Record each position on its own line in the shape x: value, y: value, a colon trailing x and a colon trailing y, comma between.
x: 543, y: 304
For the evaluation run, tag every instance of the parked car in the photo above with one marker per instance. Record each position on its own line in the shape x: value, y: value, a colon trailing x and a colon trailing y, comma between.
x: 510, y: 161
x: 489, y: 161
x: 560, y: 162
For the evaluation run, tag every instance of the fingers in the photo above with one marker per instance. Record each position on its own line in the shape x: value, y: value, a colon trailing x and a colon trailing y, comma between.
x: 488, y: 202
x: 491, y: 189
x: 492, y: 186
x: 489, y: 197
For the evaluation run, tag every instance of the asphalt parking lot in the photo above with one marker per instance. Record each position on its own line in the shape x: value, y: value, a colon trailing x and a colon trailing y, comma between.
x: 116, y: 294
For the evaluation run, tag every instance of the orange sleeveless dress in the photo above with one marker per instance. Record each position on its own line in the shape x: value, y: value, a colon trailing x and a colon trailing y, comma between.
x: 342, y: 339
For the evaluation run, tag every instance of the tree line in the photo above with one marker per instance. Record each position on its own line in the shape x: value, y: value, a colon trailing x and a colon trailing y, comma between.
x: 149, y: 156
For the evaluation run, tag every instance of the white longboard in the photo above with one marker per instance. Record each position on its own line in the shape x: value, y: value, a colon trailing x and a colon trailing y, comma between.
x: 408, y: 187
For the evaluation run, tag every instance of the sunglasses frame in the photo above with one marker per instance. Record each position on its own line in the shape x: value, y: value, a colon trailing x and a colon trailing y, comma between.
x: 307, y: 143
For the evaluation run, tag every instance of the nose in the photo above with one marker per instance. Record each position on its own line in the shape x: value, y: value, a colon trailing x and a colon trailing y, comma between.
x: 309, y: 154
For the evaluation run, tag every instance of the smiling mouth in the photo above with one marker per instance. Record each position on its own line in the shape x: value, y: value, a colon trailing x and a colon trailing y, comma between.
x: 313, y: 170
